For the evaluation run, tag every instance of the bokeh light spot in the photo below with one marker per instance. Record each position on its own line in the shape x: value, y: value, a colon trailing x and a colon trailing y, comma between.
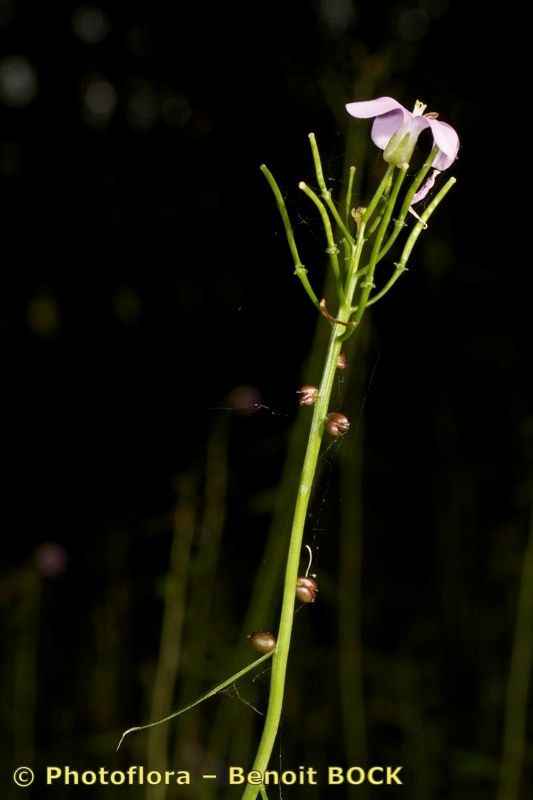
x: 18, y: 81
x: 51, y: 559
x: 434, y: 8
x: 90, y: 24
x: 413, y: 25
x: 99, y: 101
x: 175, y: 110
x: 339, y: 15
x: 142, y: 107
x: 42, y: 315
x: 7, y: 12
x: 11, y: 158
x: 127, y: 306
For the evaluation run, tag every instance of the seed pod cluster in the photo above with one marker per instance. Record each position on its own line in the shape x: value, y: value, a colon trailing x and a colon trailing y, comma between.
x: 337, y: 424
x: 306, y: 589
x: 308, y: 395
x: 262, y: 641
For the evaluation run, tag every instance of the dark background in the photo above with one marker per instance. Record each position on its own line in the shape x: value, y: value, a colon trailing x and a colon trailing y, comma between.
x: 145, y: 276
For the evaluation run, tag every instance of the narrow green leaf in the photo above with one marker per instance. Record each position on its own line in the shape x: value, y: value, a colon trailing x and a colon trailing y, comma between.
x: 215, y: 690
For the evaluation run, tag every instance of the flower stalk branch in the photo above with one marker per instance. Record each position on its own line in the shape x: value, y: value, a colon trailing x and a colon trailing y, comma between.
x: 421, y: 225
x: 326, y: 194
x: 332, y: 249
x: 299, y: 269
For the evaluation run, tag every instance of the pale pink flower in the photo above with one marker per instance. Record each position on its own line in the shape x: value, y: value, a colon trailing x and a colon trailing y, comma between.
x: 396, y: 130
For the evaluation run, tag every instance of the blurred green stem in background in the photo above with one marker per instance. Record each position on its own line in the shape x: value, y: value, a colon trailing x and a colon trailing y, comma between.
x: 201, y: 648
x: 516, y: 703
x: 25, y: 671
x: 172, y: 628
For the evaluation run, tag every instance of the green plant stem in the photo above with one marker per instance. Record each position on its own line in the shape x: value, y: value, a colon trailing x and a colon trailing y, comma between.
x: 348, y: 245
x: 281, y: 654
x: 355, y: 272
x: 349, y: 597
x: 391, y: 202
x: 399, y: 223
x: 279, y: 660
x: 349, y: 194
x: 326, y: 194
x: 422, y: 222
x: 299, y: 269
x: 372, y: 229
x: 332, y: 249
x: 401, y: 265
x: 231, y: 736
x: 384, y: 199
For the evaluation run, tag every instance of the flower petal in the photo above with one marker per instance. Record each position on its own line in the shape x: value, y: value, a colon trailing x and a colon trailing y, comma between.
x: 447, y: 141
x: 401, y: 144
x: 425, y: 188
x: 374, y: 108
x: 386, y: 125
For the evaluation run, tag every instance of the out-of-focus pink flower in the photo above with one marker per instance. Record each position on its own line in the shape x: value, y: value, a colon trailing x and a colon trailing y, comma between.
x: 51, y: 559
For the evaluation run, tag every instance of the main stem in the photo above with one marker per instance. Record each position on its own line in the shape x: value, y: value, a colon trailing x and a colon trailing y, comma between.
x: 280, y: 657
x: 281, y: 654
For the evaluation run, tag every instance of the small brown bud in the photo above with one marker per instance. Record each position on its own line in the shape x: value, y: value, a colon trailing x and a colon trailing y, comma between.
x: 262, y: 641
x: 357, y: 214
x: 337, y: 424
x: 308, y: 395
x: 306, y: 589
x: 342, y: 361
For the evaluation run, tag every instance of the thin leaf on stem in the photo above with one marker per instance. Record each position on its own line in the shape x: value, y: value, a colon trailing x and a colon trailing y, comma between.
x: 215, y: 690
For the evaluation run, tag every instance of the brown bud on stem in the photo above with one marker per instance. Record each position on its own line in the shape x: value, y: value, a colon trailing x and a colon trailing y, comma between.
x: 306, y: 589
x: 337, y: 424
x: 262, y: 641
x: 342, y: 361
x: 357, y: 214
x: 308, y: 395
